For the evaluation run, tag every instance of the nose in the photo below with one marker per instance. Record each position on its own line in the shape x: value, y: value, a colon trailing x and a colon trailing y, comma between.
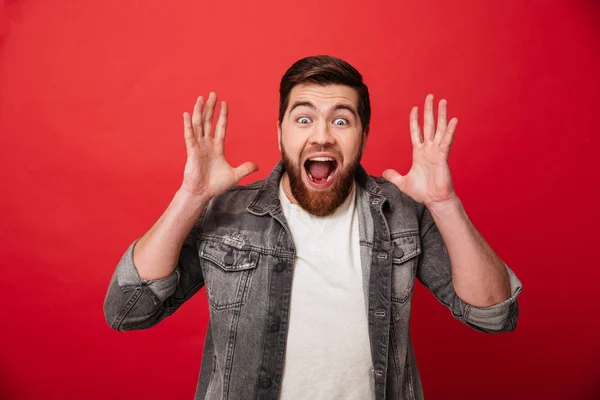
x: 322, y: 135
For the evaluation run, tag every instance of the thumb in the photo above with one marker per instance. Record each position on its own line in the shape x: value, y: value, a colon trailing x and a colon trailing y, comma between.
x: 244, y: 170
x: 393, y: 176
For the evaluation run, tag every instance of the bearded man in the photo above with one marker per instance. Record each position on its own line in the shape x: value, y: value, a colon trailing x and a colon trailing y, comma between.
x: 309, y: 273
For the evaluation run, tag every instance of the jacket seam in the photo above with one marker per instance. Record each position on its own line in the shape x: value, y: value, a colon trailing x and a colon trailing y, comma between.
x: 117, y: 322
x: 230, y: 351
x: 262, y: 250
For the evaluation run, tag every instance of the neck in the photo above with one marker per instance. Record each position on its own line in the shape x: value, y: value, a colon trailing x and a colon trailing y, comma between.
x: 287, y: 188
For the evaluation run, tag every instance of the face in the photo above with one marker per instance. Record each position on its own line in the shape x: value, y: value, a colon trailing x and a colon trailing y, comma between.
x: 321, y: 140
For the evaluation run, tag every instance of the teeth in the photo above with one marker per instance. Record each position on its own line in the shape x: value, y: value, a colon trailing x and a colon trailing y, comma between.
x: 313, y: 179
x: 322, y: 159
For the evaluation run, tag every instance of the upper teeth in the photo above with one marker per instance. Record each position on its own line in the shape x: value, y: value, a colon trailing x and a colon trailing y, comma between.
x: 322, y: 159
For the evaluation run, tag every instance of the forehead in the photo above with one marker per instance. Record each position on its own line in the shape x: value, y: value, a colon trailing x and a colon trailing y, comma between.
x: 323, y: 95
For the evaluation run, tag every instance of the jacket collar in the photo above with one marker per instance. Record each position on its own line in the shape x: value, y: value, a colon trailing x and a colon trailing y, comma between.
x: 267, y: 201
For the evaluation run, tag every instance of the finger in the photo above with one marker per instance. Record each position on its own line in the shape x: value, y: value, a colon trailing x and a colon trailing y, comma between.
x: 207, y: 115
x: 188, y: 133
x: 221, y: 128
x: 449, y: 135
x: 428, y: 124
x: 394, y: 177
x: 442, y: 123
x: 197, y: 117
x: 244, y: 170
x: 415, y: 130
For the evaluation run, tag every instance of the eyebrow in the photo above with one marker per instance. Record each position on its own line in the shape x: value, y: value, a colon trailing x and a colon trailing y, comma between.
x: 339, y: 106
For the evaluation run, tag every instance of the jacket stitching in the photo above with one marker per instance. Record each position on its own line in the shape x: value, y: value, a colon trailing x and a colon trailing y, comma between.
x: 130, y: 303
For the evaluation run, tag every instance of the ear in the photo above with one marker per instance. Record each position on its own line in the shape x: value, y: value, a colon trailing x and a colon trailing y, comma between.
x: 279, y: 134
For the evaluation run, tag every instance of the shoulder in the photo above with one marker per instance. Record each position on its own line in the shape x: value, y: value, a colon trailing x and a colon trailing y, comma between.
x: 236, y: 198
x: 230, y: 217
x: 394, y: 195
x: 248, y: 189
x: 402, y: 212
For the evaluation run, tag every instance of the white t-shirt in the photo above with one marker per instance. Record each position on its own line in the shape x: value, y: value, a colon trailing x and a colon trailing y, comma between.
x: 328, y: 354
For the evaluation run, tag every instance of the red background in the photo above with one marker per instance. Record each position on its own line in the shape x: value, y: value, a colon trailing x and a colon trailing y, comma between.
x: 92, y: 151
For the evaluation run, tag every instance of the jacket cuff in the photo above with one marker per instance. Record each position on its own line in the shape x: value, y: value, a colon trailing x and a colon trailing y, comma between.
x: 498, y: 317
x: 127, y: 275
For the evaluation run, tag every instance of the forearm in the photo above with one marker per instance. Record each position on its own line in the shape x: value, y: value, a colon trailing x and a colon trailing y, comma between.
x: 156, y: 253
x: 479, y: 276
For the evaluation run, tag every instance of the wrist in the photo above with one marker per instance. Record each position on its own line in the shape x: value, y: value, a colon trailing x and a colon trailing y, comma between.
x: 451, y: 205
x: 189, y: 198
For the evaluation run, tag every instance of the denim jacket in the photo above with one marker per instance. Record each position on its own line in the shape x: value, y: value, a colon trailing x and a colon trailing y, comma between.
x: 242, y: 251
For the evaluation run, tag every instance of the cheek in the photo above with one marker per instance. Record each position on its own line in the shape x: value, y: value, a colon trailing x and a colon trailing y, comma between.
x: 293, y: 143
x: 350, y: 149
x: 292, y: 148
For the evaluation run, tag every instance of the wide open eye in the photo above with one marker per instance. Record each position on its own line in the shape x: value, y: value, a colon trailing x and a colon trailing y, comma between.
x: 340, y: 121
x: 303, y: 120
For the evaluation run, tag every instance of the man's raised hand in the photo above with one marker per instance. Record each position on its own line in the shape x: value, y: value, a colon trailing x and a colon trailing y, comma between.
x: 428, y: 181
x: 207, y: 174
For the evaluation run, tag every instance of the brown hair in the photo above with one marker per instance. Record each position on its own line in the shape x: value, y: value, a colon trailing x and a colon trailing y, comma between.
x: 325, y: 70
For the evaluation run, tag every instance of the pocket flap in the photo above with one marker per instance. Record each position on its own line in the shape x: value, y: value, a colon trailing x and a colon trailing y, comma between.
x: 405, y: 247
x: 227, y: 257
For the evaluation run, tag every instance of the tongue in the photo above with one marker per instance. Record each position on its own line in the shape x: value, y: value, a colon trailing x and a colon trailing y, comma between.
x: 319, y: 169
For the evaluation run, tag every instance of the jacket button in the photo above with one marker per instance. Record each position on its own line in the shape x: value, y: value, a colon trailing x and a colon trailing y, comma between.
x: 398, y: 252
x: 279, y: 267
x: 274, y: 326
x: 265, y: 383
x: 228, y: 259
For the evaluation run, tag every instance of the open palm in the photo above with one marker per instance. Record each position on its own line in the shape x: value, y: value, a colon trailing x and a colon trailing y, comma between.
x: 207, y: 173
x: 429, y: 180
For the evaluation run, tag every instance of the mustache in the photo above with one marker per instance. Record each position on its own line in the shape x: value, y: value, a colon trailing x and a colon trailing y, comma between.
x: 320, y: 148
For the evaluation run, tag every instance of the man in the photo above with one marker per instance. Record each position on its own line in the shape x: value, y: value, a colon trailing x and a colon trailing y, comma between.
x: 310, y: 273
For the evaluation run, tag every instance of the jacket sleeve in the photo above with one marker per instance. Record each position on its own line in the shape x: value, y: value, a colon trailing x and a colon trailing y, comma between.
x: 134, y: 303
x: 434, y: 271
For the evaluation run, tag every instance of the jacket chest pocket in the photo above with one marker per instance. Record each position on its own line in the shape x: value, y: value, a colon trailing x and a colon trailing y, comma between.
x: 406, y: 248
x: 227, y: 273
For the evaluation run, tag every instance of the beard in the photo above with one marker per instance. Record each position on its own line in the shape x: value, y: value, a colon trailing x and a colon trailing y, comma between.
x: 323, y: 202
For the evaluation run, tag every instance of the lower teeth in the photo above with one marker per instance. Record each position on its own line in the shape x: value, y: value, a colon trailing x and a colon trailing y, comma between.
x: 313, y: 179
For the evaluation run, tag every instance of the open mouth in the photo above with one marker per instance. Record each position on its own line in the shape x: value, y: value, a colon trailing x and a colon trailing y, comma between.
x: 321, y: 170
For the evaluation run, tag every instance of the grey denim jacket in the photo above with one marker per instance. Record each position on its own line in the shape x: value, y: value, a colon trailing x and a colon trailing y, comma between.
x: 241, y: 250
